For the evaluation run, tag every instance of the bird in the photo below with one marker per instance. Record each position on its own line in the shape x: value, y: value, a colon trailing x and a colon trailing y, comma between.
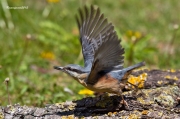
x: 103, y: 69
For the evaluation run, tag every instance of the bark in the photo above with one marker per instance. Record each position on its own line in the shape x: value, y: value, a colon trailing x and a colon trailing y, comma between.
x: 160, y: 98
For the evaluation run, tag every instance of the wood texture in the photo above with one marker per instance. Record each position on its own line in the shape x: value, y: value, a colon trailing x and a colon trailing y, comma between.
x: 159, y: 99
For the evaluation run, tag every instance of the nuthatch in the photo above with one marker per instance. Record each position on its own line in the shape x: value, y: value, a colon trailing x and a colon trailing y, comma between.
x: 103, y: 55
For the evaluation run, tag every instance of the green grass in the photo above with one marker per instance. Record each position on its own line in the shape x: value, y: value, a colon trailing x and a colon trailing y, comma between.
x: 33, y: 81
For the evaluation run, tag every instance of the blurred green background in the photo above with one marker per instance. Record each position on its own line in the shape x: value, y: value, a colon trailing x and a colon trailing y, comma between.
x: 44, y: 34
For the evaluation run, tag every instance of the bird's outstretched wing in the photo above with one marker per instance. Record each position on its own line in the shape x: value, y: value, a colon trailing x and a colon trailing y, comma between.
x: 91, y: 24
x: 108, y: 56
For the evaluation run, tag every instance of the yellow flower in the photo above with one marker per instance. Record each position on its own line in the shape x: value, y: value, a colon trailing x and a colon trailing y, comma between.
x: 48, y: 55
x: 137, y: 34
x: 53, y: 1
x: 86, y: 92
x: 129, y: 33
x: 134, y: 34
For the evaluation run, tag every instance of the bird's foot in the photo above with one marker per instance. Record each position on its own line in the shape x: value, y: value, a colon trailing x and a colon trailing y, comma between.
x: 135, y: 91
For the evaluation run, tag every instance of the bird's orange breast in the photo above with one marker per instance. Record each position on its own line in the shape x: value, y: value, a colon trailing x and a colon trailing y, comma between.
x: 106, y: 84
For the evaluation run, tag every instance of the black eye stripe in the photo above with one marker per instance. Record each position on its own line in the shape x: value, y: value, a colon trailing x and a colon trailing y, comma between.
x: 76, y: 70
x: 68, y: 68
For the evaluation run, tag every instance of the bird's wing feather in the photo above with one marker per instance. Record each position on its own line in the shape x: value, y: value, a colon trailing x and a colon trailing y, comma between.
x: 91, y: 24
x: 108, y: 56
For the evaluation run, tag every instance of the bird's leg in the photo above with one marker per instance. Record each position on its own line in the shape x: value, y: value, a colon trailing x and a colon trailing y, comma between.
x: 136, y: 87
x: 124, y: 102
x: 122, y: 86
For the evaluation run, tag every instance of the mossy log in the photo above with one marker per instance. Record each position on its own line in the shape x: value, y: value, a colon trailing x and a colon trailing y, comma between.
x: 159, y: 98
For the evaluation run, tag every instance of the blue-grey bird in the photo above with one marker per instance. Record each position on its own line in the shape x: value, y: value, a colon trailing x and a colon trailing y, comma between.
x: 103, y: 55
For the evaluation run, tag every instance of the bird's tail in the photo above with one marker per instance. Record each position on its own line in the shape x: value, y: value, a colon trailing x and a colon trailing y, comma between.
x: 128, y: 70
x: 135, y: 66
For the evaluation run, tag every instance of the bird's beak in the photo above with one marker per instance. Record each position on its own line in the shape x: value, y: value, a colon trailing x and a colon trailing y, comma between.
x: 59, y: 68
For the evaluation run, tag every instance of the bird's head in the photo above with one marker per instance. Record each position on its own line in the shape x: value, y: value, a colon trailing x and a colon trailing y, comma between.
x: 73, y: 70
